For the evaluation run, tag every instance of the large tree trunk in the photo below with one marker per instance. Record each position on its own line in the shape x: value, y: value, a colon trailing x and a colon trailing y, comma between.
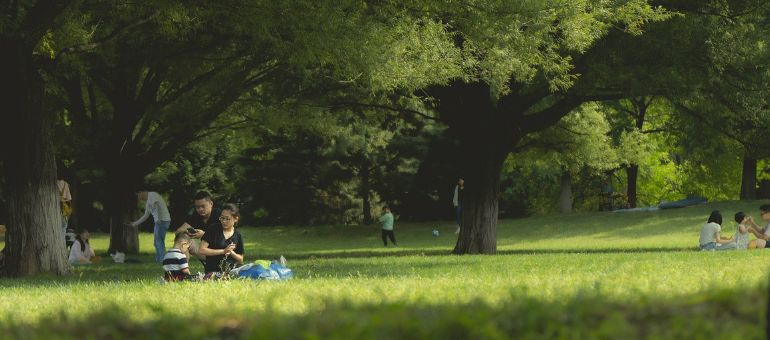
x: 565, y: 198
x: 632, y: 172
x: 34, y: 240
x: 749, y: 179
x: 478, y: 232
x: 122, y: 208
x: 484, y: 142
x: 639, y: 112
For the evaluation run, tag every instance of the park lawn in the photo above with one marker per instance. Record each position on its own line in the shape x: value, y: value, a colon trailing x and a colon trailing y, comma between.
x: 606, y: 275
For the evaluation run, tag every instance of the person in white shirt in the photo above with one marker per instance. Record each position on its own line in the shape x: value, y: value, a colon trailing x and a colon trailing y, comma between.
x: 155, y: 206
x: 710, y: 238
x: 81, y: 251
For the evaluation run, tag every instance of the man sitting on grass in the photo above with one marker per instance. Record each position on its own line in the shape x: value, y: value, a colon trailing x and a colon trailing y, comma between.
x: 175, y: 265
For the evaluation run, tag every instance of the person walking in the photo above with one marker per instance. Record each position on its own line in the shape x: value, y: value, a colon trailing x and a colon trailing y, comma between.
x: 387, y: 226
x: 155, y: 206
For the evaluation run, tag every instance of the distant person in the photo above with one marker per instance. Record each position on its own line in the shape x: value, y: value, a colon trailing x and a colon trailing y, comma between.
x: 204, y: 217
x: 387, y: 226
x: 81, y: 251
x: 175, y: 264
x: 457, y: 201
x: 223, y: 246
x: 710, y: 234
x: 65, y: 201
x: 761, y: 232
x: 155, y: 206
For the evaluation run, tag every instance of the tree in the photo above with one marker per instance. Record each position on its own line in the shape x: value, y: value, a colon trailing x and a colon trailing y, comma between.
x: 135, y: 102
x: 34, y: 237
x: 578, y: 142
x: 541, y: 62
x: 732, y: 107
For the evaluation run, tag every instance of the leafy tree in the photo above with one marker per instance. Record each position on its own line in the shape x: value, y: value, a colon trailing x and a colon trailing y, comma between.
x: 578, y: 142
x: 542, y: 61
x: 732, y: 108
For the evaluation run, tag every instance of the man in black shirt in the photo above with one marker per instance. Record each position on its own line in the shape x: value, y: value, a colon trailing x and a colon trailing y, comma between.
x: 204, y: 217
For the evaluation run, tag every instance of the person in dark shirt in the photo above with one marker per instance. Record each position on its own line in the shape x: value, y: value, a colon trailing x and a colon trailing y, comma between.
x: 204, y: 217
x: 223, y: 247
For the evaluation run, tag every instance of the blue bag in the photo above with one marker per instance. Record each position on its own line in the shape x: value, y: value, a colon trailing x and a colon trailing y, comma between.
x: 283, y: 272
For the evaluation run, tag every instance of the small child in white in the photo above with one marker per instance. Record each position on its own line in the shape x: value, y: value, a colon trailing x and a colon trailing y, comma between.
x: 742, y: 234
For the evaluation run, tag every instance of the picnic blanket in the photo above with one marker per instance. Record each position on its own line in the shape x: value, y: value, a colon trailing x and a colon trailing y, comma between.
x: 263, y: 270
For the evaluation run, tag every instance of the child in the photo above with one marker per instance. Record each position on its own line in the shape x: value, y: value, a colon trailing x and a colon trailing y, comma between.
x: 81, y: 251
x: 175, y: 266
x: 764, y: 213
x: 742, y: 234
x: 387, y: 226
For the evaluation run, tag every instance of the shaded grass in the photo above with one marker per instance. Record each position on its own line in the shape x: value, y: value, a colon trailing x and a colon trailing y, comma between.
x: 606, y: 275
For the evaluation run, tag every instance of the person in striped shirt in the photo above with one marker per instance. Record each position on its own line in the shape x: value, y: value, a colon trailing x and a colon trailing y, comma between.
x: 175, y: 265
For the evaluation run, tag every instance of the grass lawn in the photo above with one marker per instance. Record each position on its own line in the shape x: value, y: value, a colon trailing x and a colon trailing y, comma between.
x: 593, y: 275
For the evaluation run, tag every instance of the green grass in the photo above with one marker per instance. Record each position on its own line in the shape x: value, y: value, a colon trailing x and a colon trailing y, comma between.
x: 593, y: 275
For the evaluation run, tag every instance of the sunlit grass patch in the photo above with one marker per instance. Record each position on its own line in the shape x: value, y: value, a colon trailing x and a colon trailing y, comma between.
x: 577, y: 276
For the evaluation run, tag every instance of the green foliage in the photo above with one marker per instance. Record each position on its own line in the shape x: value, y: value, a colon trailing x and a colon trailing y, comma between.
x: 578, y: 141
x: 580, y: 145
x: 208, y: 164
x: 319, y: 170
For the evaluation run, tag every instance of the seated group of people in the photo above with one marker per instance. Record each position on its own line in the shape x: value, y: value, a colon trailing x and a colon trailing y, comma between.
x: 712, y: 239
x: 220, y: 248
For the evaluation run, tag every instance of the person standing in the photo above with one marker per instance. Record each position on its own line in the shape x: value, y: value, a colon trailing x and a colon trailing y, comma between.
x: 155, y: 206
x: 457, y: 201
x: 387, y: 226
x: 65, y: 202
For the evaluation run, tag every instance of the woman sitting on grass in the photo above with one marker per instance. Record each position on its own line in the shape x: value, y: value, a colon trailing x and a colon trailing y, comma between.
x: 223, y: 248
x: 81, y: 251
x: 710, y: 238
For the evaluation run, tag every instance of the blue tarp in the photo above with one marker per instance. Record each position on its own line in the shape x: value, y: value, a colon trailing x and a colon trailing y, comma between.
x: 274, y: 271
x: 682, y: 203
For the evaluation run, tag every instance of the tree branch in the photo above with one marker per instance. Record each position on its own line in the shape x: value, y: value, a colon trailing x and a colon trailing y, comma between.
x: 109, y: 37
x: 40, y: 18
x: 383, y: 107
x: 550, y: 116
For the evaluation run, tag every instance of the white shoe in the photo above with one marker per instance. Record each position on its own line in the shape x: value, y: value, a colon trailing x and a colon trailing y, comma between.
x: 457, y: 231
